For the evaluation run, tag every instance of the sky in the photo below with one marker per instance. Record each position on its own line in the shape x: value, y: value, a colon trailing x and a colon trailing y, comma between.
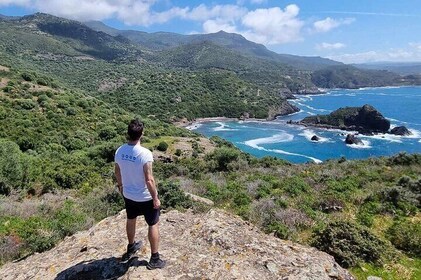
x: 351, y: 31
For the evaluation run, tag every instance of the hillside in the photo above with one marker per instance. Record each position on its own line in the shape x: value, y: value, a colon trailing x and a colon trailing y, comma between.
x: 231, y: 41
x: 195, y: 245
x: 114, y: 70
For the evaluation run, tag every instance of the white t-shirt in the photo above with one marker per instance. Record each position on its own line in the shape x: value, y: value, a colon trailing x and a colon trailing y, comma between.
x: 130, y: 159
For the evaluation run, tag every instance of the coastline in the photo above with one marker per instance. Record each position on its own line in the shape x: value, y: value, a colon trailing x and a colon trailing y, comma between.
x: 186, y: 123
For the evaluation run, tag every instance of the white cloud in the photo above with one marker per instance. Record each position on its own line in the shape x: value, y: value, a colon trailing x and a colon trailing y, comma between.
x: 212, y: 26
x: 14, y: 2
x: 222, y: 12
x: 268, y: 26
x: 329, y: 23
x: 329, y: 46
x: 412, y: 53
x: 273, y: 25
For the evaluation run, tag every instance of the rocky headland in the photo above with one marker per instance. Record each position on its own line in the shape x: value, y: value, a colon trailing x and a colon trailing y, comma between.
x: 366, y: 120
x: 211, y: 245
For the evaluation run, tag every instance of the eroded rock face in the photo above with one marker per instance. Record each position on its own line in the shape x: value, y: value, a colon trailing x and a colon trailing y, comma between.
x: 214, y: 245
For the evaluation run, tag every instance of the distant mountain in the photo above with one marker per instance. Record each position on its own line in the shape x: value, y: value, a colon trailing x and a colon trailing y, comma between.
x: 81, y: 37
x: 3, y: 17
x: 236, y: 42
x: 403, y: 68
x: 348, y: 76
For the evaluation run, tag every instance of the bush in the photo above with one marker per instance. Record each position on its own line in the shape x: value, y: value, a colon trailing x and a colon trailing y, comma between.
x: 27, y: 77
x: 349, y: 244
x: 220, y: 159
x: 172, y: 196
x: 162, y: 146
x: 406, y: 235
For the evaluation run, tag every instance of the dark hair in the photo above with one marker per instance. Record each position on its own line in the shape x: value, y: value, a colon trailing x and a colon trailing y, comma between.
x: 135, y: 130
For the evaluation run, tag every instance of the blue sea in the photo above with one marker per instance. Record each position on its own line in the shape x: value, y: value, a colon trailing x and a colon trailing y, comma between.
x: 401, y: 105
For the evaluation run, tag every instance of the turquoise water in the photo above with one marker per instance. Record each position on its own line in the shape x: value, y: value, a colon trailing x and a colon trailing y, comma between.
x: 401, y: 105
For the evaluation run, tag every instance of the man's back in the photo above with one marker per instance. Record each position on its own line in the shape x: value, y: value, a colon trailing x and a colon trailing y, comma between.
x: 131, y: 159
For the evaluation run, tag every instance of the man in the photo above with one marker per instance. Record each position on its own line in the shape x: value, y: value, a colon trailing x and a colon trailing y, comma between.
x: 133, y: 171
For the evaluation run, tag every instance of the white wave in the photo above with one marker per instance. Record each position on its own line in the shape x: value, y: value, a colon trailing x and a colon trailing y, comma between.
x: 193, y: 126
x: 419, y: 141
x: 308, y: 134
x: 293, y: 113
x: 311, y: 108
x: 366, y: 145
x: 223, y: 127
x: 277, y: 138
x: 415, y: 133
x: 385, y: 137
x: 399, y: 121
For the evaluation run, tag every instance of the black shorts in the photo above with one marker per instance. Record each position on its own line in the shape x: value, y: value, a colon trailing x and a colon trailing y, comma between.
x: 135, y: 208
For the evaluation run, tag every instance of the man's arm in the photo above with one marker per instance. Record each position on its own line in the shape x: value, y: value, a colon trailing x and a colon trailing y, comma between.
x: 150, y: 183
x: 118, y: 177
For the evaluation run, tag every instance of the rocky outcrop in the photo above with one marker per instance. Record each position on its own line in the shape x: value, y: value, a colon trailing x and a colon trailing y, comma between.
x: 286, y: 108
x: 400, y: 130
x: 351, y: 139
x: 213, y: 245
x: 364, y: 119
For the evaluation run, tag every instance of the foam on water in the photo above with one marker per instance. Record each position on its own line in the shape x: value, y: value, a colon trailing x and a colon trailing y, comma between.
x: 223, y: 127
x: 309, y: 107
x: 385, y: 137
x: 193, y: 126
x: 308, y: 134
x: 277, y: 138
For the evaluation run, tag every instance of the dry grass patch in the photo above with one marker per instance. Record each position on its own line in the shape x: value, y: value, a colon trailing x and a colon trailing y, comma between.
x: 4, y: 68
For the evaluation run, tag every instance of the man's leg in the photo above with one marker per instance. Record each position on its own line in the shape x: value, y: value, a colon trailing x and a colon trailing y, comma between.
x: 155, y: 261
x: 153, y: 236
x: 131, y: 229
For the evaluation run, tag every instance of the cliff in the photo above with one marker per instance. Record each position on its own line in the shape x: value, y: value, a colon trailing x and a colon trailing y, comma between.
x: 212, y: 245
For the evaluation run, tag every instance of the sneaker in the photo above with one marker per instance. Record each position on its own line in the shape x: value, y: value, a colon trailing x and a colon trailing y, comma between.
x: 131, y: 251
x: 156, y: 263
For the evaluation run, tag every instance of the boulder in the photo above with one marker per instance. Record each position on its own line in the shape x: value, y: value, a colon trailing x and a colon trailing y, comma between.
x: 315, y: 138
x: 400, y: 130
x: 352, y: 139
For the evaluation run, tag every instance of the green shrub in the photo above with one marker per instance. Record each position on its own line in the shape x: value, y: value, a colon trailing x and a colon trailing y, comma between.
x: 278, y: 229
x: 172, y: 196
x: 220, y: 159
x: 406, y: 235
x: 295, y: 185
x: 178, y: 152
x: 162, y: 146
x: 27, y: 77
x: 12, y: 166
x: 349, y: 244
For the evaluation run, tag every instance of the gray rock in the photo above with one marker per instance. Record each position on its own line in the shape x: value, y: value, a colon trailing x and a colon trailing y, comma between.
x: 400, y: 130
x: 212, y: 245
x: 315, y: 138
x: 374, y: 278
x: 352, y: 139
